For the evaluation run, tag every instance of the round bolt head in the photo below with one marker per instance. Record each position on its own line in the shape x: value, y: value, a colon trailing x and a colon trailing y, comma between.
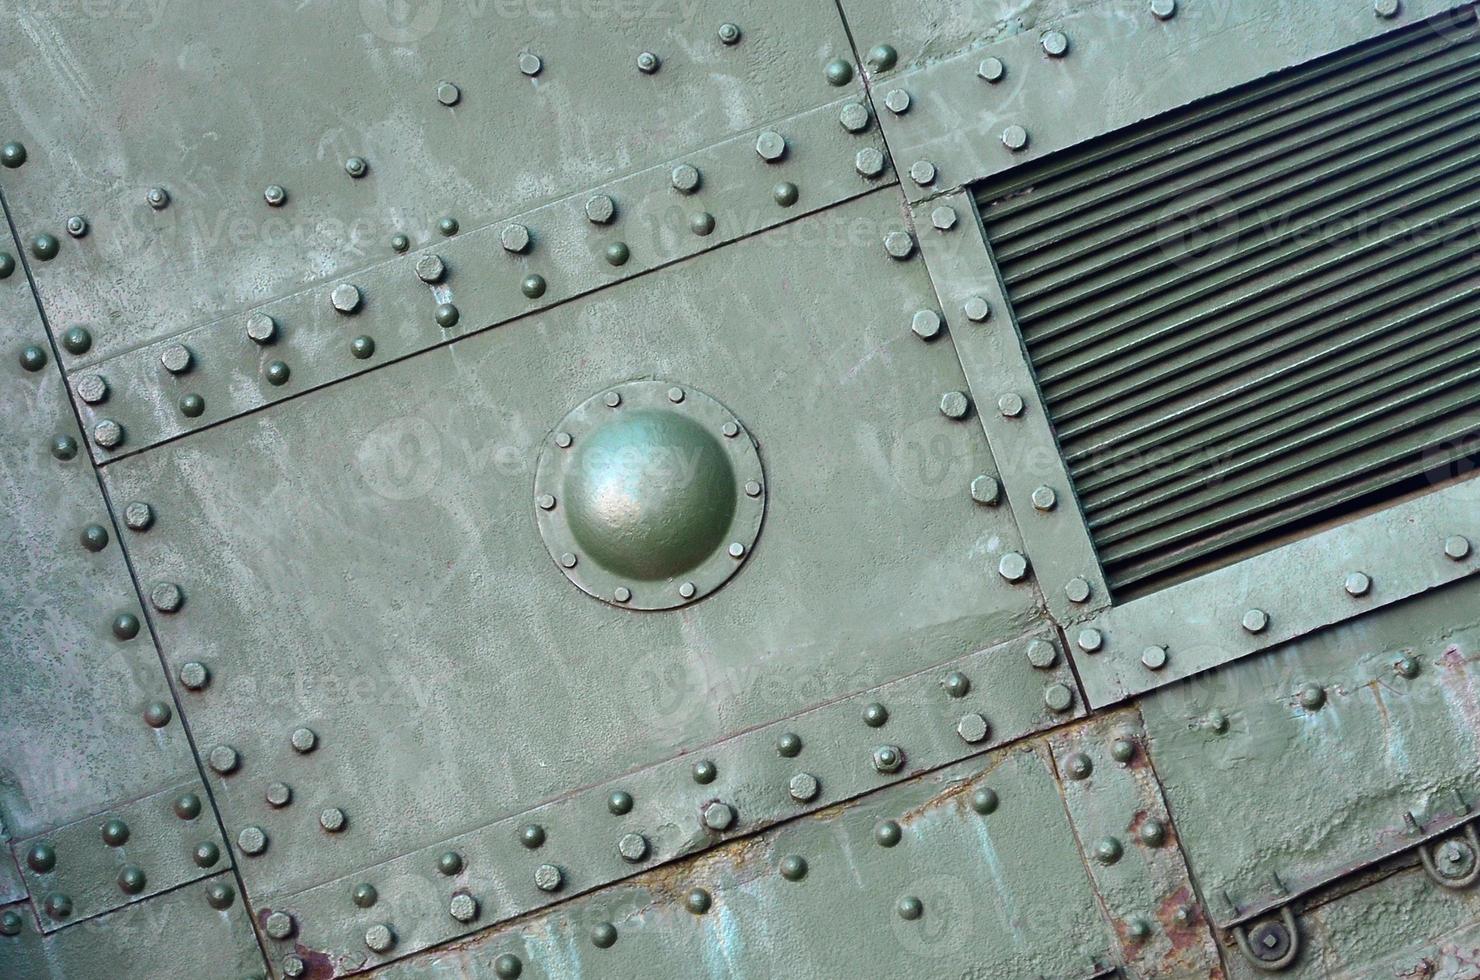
x: 1015, y: 138
x: 1122, y: 750
x: 1090, y: 640
x: 125, y: 626
x: 617, y: 253
x: 278, y: 795
x: 1077, y: 590
x: 897, y: 101
x: 701, y: 223
x: 548, y: 878
x: 973, y: 728
x: 955, y: 404
x: 1154, y: 657
x: 362, y: 347
x: 220, y: 896
x: 888, y: 759
x: 530, y: 64
x: 508, y: 966
x: 45, y: 247
x: 447, y: 225
x: 684, y: 178
x: 356, y: 167
x: 449, y: 863
x: 793, y: 867
x: 224, y: 759
x: 648, y: 63
x: 1457, y: 547
x: 332, y: 819
x: 463, y: 907
x: 698, y: 901
x: 991, y: 70
x: 910, y: 908
x: 1387, y: 9
x: 206, y: 855
x: 838, y: 72
x: 1013, y: 566
x: 875, y: 715
x: 514, y: 238
x: 279, y: 925
x: 1256, y: 621
x: 157, y: 714
x: 12, y: 154
x: 1079, y: 766
x: 1011, y: 405
x: 976, y: 309
x: 1153, y: 833
x: 532, y: 836
x: 303, y: 740
x: 600, y: 209
x: 275, y: 195
x: 252, y: 841
x: 1045, y: 499
x: 1055, y: 44
x: 380, y: 938
x: 1058, y: 698
x: 603, y: 935
x: 400, y: 243
x: 881, y: 57
x: 187, y: 806
x: 166, y: 597
x: 41, y: 858
x: 158, y: 198
x: 77, y: 226
x: 985, y: 800
x: 888, y: 833
x: 1270, y: 941
x: 7, y: 265
x: 1312, y: 697
x: 431, y: 268
x: 986, y: 490
x: 785, y: 194
x: 943, y: 218
x: 276, y: 373
x: 956, y: 684
x: 1217, y: 722
x: 804, y: 787
x: 1041, y: 654
x: 192, y: 405
x: 854, y: 117
x: 533, y: 286
x: 345, y: 298
x: 869, y: 162
x: 704, y: 772
x: 33, y: 358
x: 1109, y: 850
x: 1358, y: 584
x: 729, y: 33
x: 632, y: 847
x: 771, y: 146
x: 64, y: 448
x: 91, y: 388
x: 10, y: 923
x: 899, y: 244
x: 719, y: 816
x: 1164, y: 9
x: 261, y: 328
x: 922, y: 172
x: 789, y: 745
x: 448, y: 94
x: 446, y: 315
x: 77, y: 340
x: 1408, y: 666
x: 108, y: 434
x: 926, y: 324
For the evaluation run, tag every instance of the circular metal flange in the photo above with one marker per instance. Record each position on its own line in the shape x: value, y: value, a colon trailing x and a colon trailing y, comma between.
x: 1454, y: 861
x: 1271, y: 944
x: 649, y: 495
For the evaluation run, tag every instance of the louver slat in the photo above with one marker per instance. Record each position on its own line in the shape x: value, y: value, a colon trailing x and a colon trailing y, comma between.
x: 1261, y: 312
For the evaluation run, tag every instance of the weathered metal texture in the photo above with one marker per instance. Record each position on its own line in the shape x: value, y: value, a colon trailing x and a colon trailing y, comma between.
x: 1351, y: 745
x: 1100, y: 68
x: 544, y: 100
x: 971, y: 871
x: 1010, y: 407
x: 199, y: 930
x: 1131, y: 848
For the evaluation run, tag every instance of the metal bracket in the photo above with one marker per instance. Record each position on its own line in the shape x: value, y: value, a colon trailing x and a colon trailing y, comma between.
x: 1270, y: 945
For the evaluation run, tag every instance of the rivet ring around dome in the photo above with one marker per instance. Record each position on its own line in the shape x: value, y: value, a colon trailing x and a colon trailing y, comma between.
x: 649, y: 495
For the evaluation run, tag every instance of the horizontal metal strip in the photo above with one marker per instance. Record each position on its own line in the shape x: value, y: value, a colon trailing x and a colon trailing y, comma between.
x: 1199, y: 623
x: 750, y: 777
x: 558, y: 252
x: 1239, y: 110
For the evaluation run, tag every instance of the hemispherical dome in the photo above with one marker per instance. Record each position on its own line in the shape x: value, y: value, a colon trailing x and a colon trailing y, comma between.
x: 650, y: 494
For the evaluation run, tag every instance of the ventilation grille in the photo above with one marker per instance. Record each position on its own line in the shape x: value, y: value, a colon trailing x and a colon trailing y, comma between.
x: 1261, y: 311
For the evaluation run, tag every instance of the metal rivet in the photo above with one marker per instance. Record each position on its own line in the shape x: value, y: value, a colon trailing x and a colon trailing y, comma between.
x: 1154, y: 657
x: 926, y: 324
x: 838, y: 72
x: 448, y: 94
x: 1044, y: 499
x: 1090, y: 640
x: 1079, y: 766
x: 986, y: 490
x: 108, y: 434
x: 911, y: 908
x: 730, y: 429
x: 793, y: 867
x: 875, y: 715
x: 888, y: 758
x: 1042, y: 654
x: 771, y: 146
x: 729, y: 33
x: 276, y: 373
x: 1058, y: 698
x: 687, y: 590
x: 64, y: 448
x: 785, y: 194
x: 1108, y: 851
x: 881, y: 57
x: 400, y: 243
x: 158, y: 198
x: 1015, y: 138
x: 175, y: 358
x: 1153, y: 833
x: 548, y: 878
x: 1122, y: 750
x: 1055, y: 44
x: 600, y: 209
x: 1256, y: 620
x: 1358, y: 584
x: 1218, y: 722
x: 789, y: 745
x: 1407, y: 666
x: 622, y: 594
x: 619, y: 803
x: 1077, y: 589
x: 603, y: 935
x: 125, y: 626
x: 514, y: 238
x: 446, y: 315
x: 220, y: 896
x: 275, y: 195
x: 704, y: 772
x: 701, y: 223
x: 431, y: 268
x: 279, y: 925
x: 508, y: 966
x: 115, y: 832
x: 869, y: 162
x: 10, y: 923
x: 77, y: 226
x: 77, y: 340
x: 530, y: 64
x: 943, y: 218
x: 533, y: 286
x: 157, y: 714
x: 463, y: 907
x: 91, y: 388
x: 12, y: 154
x: 303, y: 740
x: 206, y: 854
x: 1164, y: 9
x: 888, y: 833
x: 897, y: 101
x: 7, y: 265
x: 532, y: 836
x: 447, y: 226
x: 252, y: 841
x: 568, y: 560
x: 187, y: 806
x: 985, y: 800
x: 973, y: 728
x: 32, y: 358
x: 224, y: 759
x: 1010, y: 405
x: 380, y: 938
x: 1457, y: 547
x: 41, y: 858
x: 955, y: 404
x: 278, y: 795
x: 632, y: 847
x: 991, y: 70
x: 899, y: 244
x: 697, y: 901
x: 545, y: 501
x: 752, y: 488
x: 166, y: 597
x: 804, y: 787
x: 345, y: 298
x: 1387, y: 9
x: 736, y: 549
x: 922, y: 172
x: 854, y: 117
x: 648, y: 63
x: 449, y: 863
x: 1013, y: 566
x: 956, y: 684
x: 45, y: 247
x: 1312, y: 697
x: 356, y: 167
x: 261, y: 328
x: 617, y: 253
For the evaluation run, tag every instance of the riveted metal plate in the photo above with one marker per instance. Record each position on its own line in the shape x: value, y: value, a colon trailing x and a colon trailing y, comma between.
x: 190, y: 932
x: 668, y: 804
x: 1369, y: 760
x: 649, y: 495
x: 1131, y: 850
x: 1345, y: 572
x: 363, y: 561
x: 560, y: 254
x: 415, y: 90
x: 123, y: 855
x: 75, y: 679
x: 1011, y: 410
x: 979, y: 880
x: 1122, y: 64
